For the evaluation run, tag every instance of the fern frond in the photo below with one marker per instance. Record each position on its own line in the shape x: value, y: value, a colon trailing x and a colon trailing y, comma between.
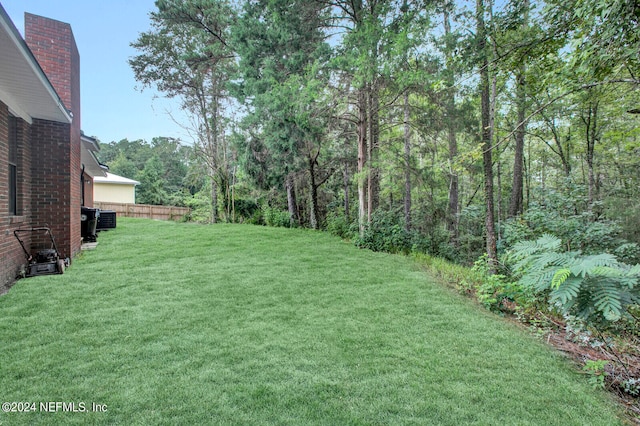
x: 596, y: 288
x: 542, y: 280
x: 603, y: 259
x: 567, y: 291
x: 583, y: 305
x: 549, y: 242
x: 560, y: 277
x: 587, y: 264
x: 629, y: 281
x: 612, y: 314
x: 545, y: 243
x: 607, y: 300
x: 522, y: 266
x: 634, y: 271
x: 552, y: 259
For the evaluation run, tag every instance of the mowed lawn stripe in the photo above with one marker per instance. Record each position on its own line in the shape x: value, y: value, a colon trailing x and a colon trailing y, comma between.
x: 170, y: 323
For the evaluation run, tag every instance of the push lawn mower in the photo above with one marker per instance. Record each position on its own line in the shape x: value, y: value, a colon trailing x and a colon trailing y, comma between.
x: 47, y: 261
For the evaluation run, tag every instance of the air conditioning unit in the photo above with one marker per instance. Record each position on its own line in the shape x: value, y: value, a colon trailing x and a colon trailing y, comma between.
x: 106, y: 220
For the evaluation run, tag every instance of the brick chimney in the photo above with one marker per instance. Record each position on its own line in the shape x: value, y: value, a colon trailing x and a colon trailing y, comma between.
x: 56, y: 166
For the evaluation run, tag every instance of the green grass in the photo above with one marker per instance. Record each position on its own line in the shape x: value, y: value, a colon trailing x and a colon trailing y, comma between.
x: 170, y: 323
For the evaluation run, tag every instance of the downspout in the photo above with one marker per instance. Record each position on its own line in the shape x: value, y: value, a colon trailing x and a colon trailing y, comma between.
x: 82, y: 185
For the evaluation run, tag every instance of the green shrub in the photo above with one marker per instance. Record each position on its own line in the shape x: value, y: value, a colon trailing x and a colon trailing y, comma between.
x: 595, y: 371
x: 631, y: 386
x: 471, y: 241
x: 385, y: 233
x: 498, y: 292
x: 556, y: 215
x: 200, y: 206
x: 434, y: 242
x: 627, y: 214
x: 245, y: 209
x: 275, y: 217
x: 256, y: 218
x: 628, y: 253
x: 337, y: 224
x: 596, y: 288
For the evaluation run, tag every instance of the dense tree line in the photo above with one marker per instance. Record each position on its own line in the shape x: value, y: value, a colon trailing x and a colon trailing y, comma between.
x: 456, y: 126
x: 454, y: 123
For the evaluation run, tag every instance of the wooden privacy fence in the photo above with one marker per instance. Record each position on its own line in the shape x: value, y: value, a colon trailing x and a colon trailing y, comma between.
x: 146, y: 211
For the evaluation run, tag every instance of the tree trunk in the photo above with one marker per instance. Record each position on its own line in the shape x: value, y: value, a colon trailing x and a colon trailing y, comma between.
x: 362, y: 160
x: 347, y: 206
x: 486, y: 138
x: 493, y: 98
x: 517, y: 199
x: 211, y: 148
x: 527, y: 162
x: 499, y: 212
x: 292, y: 205
x: 233, y: 195
x: 515, y: 203
x: 591, y: 122
x: 214, y: 199
x: 313, y: 210
x: 373, y: 179
x: 407, y: 164
x: 452, y: 211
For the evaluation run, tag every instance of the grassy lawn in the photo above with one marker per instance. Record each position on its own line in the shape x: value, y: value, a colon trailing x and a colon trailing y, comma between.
x: 169, y: 323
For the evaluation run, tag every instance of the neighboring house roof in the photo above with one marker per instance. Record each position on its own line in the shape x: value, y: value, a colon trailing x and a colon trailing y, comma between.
x: 24, y: 87
x: 90, y: 162
x: 115, y: 180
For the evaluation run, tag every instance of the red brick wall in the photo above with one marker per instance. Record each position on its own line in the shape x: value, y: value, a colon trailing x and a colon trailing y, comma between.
x: 57, y: 162
x: 4, y: 160
x: 23, y: 133
x: 11, y: 254
x: 52, y: 202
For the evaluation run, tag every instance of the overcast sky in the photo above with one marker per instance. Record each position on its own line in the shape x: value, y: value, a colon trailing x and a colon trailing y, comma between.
x: 112, y: 107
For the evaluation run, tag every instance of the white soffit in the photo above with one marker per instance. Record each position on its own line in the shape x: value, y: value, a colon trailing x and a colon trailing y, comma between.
x: 24, y: 87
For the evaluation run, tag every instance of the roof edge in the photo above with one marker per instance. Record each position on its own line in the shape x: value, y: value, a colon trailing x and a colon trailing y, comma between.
x: 16, y: 37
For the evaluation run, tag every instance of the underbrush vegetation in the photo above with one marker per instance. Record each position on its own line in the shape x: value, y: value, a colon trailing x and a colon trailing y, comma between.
x: 180, y: 323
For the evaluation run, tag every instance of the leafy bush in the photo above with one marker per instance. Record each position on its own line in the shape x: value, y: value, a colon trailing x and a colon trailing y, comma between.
x: 596, y: 372
x: 385, y: 233
x: 200, y: 206
x: 631, y: 386
x: 275, y: 217
x: 434, y: 242
x: 498, y: 292
x: 556, y: 215
x: 245, y: 209
x: 627, y: 214
x: 337, y: 225
x: 471, y: 241
x: 596, y: 288
x: 628, y: 253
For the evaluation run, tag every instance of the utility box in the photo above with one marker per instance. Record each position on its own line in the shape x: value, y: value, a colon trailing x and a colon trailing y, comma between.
x: 106, y: 220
